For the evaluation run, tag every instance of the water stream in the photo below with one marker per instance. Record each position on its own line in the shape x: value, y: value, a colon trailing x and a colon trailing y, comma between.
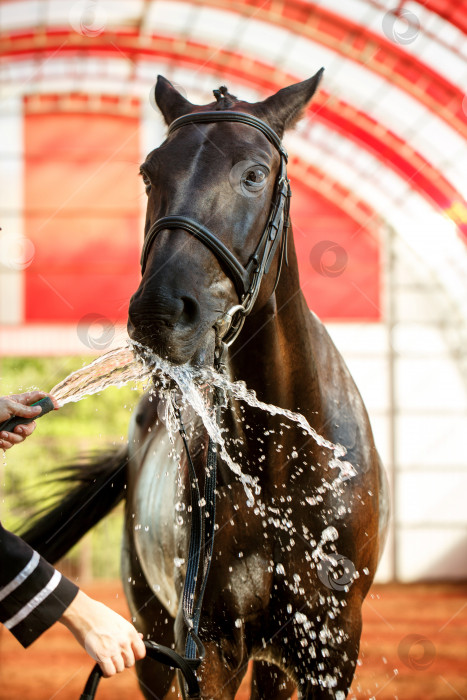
x: 123, y: 365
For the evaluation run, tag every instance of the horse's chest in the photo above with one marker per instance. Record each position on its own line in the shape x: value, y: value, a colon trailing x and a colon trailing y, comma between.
x: 242, y: 565
x: 156, y: 520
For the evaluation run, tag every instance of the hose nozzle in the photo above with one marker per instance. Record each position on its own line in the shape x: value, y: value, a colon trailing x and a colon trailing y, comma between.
x: 46, y: 405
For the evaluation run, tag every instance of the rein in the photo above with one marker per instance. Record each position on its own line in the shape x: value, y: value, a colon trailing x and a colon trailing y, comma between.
x: 247, y: 280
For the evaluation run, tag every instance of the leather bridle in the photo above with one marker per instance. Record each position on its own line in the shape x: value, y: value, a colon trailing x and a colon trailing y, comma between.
x: 247, y: 279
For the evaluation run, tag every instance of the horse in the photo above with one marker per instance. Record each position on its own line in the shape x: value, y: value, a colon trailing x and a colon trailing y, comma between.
x: 220, y: 284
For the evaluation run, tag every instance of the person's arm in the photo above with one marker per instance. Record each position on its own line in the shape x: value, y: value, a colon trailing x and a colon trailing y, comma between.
x: 33, y: 595
x: 19, y: 405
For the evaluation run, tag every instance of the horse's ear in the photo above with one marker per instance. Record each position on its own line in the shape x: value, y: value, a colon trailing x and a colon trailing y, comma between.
x: 286, y: 107
x: 170, y: 102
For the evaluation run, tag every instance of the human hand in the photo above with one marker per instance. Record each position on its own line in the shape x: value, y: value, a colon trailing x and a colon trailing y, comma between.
x: 107, y: 637
x: 19, y: 405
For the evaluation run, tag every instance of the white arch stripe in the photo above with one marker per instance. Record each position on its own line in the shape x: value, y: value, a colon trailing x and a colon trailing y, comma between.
x: 438, y: 143
x: 447, y: 34
x: 262, y: 39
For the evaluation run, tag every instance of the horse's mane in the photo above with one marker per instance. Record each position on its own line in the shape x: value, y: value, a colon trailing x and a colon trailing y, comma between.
x: 223, y: 97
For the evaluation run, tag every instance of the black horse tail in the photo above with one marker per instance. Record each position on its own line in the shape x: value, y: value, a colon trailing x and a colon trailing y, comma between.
x: 97, y: 486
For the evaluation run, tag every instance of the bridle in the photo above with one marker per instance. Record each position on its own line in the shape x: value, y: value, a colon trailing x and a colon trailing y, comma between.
x: 247, y: 279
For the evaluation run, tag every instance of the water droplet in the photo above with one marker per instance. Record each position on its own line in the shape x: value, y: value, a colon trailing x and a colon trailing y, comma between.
x: 238, y: 622
x: 301, y: 618
x: 178, y: 561
x: 330, y: 534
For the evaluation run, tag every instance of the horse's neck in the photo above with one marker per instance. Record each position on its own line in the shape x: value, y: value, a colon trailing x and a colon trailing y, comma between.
x: 274, y: 353
x: 274, y: 356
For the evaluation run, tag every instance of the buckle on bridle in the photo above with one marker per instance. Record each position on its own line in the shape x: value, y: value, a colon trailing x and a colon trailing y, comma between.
x: 227, y: 327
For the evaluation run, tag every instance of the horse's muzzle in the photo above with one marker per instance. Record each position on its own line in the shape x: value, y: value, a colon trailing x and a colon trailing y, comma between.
x: 168, y: 322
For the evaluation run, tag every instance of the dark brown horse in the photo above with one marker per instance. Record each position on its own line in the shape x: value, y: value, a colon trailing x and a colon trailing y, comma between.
x: 289, y: 574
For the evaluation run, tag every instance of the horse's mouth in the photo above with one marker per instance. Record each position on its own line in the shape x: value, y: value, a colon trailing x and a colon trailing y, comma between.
x: 179, y: 351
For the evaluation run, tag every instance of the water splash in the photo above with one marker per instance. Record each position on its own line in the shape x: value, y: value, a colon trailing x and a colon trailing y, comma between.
x: 240, y: 391
x: 115, y: 368
x: 183, y: 385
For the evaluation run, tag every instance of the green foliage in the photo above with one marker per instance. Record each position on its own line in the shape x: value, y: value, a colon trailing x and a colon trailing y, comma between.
x: 60, y: 437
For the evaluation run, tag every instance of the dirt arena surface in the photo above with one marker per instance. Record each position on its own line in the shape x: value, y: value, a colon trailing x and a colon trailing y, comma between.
x: 414, y: 647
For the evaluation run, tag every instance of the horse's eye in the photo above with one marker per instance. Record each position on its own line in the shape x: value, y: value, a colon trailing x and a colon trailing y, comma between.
x: 254, y: 178
x: 147, y: 182
x: 248, y: 178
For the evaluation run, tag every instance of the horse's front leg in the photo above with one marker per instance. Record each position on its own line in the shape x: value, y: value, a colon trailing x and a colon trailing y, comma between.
x: 222, y: 671
x: 224, y: 664
x: 269, y: 682
x: 150, y: 618
x: 219, y: 678
x: 325, y: 668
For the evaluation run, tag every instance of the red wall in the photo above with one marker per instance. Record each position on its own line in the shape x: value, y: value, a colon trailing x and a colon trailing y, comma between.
x: 339, y: 260
x: 82, y: 204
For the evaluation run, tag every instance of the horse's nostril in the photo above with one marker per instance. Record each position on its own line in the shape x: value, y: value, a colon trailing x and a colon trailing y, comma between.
x: 162, y: 308
x: 190, y: 310
x: 130, y: 328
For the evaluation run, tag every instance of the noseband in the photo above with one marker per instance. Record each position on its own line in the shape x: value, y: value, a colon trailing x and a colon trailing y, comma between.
x: 247, y: 279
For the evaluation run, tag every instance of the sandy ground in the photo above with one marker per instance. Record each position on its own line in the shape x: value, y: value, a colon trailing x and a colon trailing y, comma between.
x: 414, y: 647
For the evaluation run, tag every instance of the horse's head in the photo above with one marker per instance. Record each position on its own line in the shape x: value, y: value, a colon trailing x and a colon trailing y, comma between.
x: 213, y: 188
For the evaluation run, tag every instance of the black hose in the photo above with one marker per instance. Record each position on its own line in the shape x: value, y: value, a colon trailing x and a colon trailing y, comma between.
x: 10, y: 424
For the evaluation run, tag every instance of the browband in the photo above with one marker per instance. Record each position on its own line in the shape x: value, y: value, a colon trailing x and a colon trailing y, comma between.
x: 228, y: 116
